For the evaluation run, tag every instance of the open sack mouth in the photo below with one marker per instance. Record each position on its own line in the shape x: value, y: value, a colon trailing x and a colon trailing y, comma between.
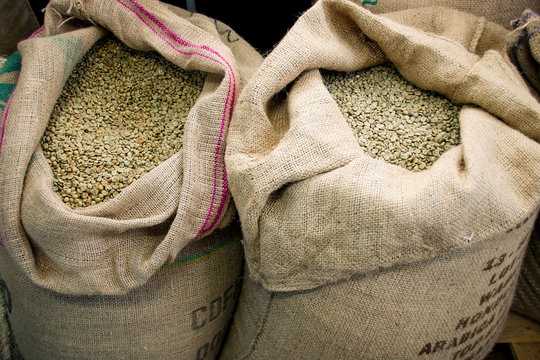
x: 315, y: 208
x: 117, y: 127
x: 393, y: 120
x: 121, y: 114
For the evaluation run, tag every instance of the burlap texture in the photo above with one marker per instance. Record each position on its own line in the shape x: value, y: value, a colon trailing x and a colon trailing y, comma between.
x: 298, y: 175
x: 182, y: 312
x: 453, y: 306
x: 9, y: 72
x: 359, y: 258
x: 501, y: 12
x: 107, y: 248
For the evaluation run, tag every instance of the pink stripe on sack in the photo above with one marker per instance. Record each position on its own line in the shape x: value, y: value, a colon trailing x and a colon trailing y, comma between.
x: 35, y: 33
x: 216, y: 156
x: 223, y: 120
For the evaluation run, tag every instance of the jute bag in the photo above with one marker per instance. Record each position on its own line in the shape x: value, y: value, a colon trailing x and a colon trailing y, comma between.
x: 105, y: 249
x: 501, y: 12
x: 353, y: 258
x: 152, y: 272
x: 182, y: 312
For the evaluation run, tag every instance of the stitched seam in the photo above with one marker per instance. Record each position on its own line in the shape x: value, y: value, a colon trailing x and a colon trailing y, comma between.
x: 478, y: 32
x: 261, y: 328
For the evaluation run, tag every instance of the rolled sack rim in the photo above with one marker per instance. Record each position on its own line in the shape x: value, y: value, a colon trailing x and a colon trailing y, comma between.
x: 257, y: 174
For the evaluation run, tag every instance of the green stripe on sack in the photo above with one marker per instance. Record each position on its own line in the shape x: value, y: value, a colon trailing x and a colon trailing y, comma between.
x: 8, y: 76
x: 12, y: 63
x: 5, y: 92
x: 197, y: 257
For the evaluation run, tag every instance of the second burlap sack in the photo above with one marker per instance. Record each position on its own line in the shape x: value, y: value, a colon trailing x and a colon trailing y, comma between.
x: 350, y: 257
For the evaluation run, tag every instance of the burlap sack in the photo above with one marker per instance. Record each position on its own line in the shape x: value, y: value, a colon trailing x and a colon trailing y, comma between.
x: 354, y: 258
x: 107, y: 248
x: 9, y: 73
x: 182, y: 312
x: 152, y: 273
x: 501, y: 12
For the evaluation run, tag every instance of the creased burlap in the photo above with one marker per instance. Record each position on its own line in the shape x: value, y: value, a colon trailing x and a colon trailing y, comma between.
x: 359, y: 258
x: 501, y: 12
x: 182, y: 312
x: 451, y: 307
x: 107, y: 248
x: 9, y: 73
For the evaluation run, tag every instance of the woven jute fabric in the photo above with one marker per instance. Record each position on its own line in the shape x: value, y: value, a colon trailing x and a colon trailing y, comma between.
x: 9, y: 73
x: 421, y: 310
x: 501, y: 12
x: 108, y: 248
x: 351, y: 244
x: 182, y: 312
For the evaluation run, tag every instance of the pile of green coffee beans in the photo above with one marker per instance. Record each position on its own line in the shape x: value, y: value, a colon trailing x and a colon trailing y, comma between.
x: 121, y: 113
x: 392, y: 119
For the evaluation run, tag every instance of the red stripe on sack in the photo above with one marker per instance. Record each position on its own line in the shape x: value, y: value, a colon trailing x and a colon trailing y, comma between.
x: 229, y: 71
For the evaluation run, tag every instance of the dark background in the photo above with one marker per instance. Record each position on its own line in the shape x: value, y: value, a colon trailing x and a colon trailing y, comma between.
x: 260, y: 23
